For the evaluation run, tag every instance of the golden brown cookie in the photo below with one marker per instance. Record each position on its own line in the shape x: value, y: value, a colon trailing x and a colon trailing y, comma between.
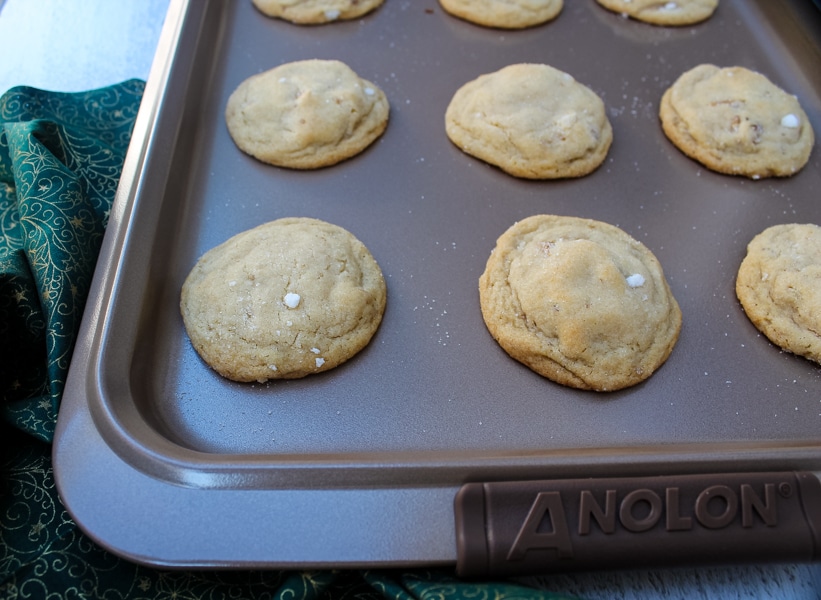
x: 316, y: 12
x: 675, y: 12
x: 504, y: 14
x: 579, y: 302
x: 306, y: 114
x: 286, y: 299
x: 779, y: 287
x: 735, y: 121
x: 532, y: 121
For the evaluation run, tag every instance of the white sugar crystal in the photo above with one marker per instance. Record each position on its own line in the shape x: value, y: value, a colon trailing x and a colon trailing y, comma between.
x: 790, y: 121
x: 332, y: 15
x: 320, y: 362
x: 370, y: 91
x: 232, y: 283
x: 272, y: 367
x: 670, y: 6
x: 635, y: 280
x: 291, y: 300
x: 315, y: 350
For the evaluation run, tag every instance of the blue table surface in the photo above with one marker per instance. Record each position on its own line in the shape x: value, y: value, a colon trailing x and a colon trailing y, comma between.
x: 75, y: 45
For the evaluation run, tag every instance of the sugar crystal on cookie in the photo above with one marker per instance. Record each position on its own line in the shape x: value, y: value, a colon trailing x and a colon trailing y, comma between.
x: 291, y: 300
x: 635, y: 280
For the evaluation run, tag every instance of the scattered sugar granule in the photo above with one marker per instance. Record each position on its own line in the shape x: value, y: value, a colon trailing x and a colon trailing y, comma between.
x: 272, y: 367
x: 635, y: 280
x: 315, y: 350
x: 369, y: 91
x: 291, y: 300
x: 790, y: 121
x: 320, y: 362
x: 332, y: 15
x: 670, y: 6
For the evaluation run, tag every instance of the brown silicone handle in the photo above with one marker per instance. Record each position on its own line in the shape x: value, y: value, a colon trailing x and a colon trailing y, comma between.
x: 532, y: 527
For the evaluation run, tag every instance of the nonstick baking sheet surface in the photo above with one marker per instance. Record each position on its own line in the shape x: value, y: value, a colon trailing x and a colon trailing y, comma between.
x: 433, y: 384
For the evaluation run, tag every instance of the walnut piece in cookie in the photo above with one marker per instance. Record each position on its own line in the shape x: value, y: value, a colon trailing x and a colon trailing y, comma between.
x: 579, y: 302
x: 306, y: 114
x: 779, y: 287
x: 504, y: 14
x: 664, y: 13
x: 316, y: 12
x: 532, y: 121
x: 283, y: 300
x: 736, y: 121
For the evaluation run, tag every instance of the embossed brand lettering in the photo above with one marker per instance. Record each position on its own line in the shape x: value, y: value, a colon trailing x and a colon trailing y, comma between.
x: 640, y: 510
x: 546, y: 504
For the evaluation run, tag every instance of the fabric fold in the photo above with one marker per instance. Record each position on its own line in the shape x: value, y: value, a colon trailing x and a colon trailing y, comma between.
x: 61, y: 155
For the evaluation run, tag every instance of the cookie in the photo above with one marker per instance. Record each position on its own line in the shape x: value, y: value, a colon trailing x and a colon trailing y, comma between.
x: 735, y: 121
x: 504, y: 14
x: 579, y: 302
x: 532, y: 121
x: 286, y: 299
x: 316, y: 12
x: 678, y: 12
x: 779, y: 287
x: 306, y: 114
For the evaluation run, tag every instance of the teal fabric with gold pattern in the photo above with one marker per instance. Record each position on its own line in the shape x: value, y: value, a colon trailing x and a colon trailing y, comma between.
x: 61, y: 155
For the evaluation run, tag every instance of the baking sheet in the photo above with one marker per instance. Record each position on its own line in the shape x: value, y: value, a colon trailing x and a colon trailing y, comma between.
x: 433, y: 402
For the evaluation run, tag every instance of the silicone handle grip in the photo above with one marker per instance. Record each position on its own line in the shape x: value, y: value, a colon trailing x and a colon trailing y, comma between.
x: 532, y: 527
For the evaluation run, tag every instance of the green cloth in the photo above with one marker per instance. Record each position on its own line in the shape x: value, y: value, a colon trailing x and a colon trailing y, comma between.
x: 60, y: 160
x: 61, y: 155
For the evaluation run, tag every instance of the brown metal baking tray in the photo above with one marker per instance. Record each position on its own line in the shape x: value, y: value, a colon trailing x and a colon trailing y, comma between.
x: 161, y: 460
